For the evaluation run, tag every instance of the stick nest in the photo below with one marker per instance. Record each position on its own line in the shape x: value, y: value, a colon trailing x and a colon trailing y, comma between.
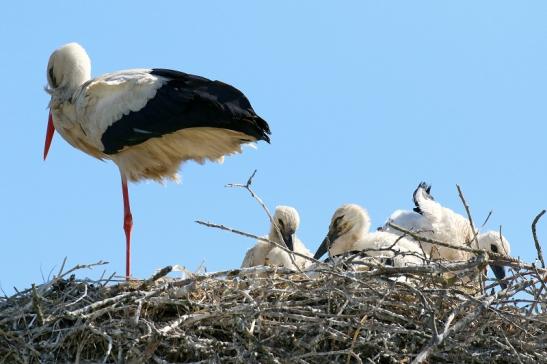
x: 272, y: 315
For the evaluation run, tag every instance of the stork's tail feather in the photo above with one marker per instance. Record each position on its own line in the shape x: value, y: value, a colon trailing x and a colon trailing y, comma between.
x: 423, y: 190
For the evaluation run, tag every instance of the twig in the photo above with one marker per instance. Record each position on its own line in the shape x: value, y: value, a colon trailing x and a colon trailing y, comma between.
x: 109, y: 279
x: 432, y: 241
x: 62, y: 267
x: 84, y: 295
x: 106, y: 337
x: 160, y: 274
x: 515, y: 352
x: 82, y: 266
x: 432, y: 268
x: 426, y: 352
x: 536, y: 240
x: 273, y: 223
x: 487, y: 218
x: 542, y: 288
x: 185, y: 319
x: 239, y: 232
x: 330, y: 353
x: 95, y: 305
x: 37, y: 306
x: 468, y: 211
x: 474, y: 231
x: 257, y: 198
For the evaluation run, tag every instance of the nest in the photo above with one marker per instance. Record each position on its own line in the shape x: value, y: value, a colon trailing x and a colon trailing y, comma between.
x: 351, y: 310
x: 272, y: 315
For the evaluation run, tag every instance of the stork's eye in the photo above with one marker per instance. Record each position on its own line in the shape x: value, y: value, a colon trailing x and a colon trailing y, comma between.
x: 280, y: 222
x: 52, y: 78
x: 338, y: 220
x: 494, y: 248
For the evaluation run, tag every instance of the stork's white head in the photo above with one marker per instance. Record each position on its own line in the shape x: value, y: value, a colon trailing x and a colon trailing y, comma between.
x: 348, y: 225
x: 68, y: 68
x: 287, y: 220
x: 494, y: 242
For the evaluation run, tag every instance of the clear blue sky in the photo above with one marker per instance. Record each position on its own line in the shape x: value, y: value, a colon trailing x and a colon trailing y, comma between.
x: 365, y: 99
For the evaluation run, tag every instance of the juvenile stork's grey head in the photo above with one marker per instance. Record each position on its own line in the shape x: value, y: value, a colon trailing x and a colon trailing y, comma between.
x: 494, y: 242
x: 287, y: 220
x: 348, y: 225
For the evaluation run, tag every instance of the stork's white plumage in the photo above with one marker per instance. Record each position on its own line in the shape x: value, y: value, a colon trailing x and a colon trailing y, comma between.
x: 280, y: 257
x: 147, y: 121
x: 408, y: 220
x: 263, y: 253
x: 447, y: 226
x: 432, y: 220
x: 413, y: 220
x: 349, y: 232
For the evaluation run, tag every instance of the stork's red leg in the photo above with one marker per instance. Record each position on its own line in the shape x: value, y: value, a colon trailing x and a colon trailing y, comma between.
x: 127, y: 226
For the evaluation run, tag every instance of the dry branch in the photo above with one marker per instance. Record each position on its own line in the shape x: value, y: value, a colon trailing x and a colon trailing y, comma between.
x: 536, y: 240
x: 248, y: 235
x: 432, y: 241
x: 469, y: 217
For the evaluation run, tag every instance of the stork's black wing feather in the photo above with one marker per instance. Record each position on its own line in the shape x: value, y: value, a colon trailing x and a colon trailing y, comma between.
x: 186, y: 101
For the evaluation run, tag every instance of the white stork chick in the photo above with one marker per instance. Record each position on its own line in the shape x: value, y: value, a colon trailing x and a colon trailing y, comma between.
x: 447, y: 226
x: 349, y: 232
x: 263, y: 253
x: 494, y: 242
x: 432, y: 220
x: 147, y: 121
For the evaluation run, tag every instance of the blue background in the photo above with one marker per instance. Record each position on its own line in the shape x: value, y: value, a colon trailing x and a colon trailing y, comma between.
x: 365, y: 99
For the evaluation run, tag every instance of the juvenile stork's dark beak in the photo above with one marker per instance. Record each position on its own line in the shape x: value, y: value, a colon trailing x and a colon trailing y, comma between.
x: 289, y: 240
x: 325, y: 245
x: 499, y: 272
x: 322, y: 248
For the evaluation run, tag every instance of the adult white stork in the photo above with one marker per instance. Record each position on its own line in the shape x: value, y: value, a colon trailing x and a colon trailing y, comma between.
x: 147, y: 121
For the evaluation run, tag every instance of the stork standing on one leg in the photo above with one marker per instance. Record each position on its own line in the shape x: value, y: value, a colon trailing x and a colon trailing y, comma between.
x: 147, y: 121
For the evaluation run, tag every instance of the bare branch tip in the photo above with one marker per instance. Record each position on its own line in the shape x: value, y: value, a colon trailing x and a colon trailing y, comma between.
x: 250, y: 180
x: 536, y: 240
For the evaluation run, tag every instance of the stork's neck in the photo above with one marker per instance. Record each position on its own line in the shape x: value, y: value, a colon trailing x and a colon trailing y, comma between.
x: 354, y: 228
x: 346, y: 241
x: 71, y: 83
x: 274, y: 235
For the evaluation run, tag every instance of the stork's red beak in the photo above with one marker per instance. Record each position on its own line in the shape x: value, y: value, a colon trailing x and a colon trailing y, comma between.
x: 49, y: 134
